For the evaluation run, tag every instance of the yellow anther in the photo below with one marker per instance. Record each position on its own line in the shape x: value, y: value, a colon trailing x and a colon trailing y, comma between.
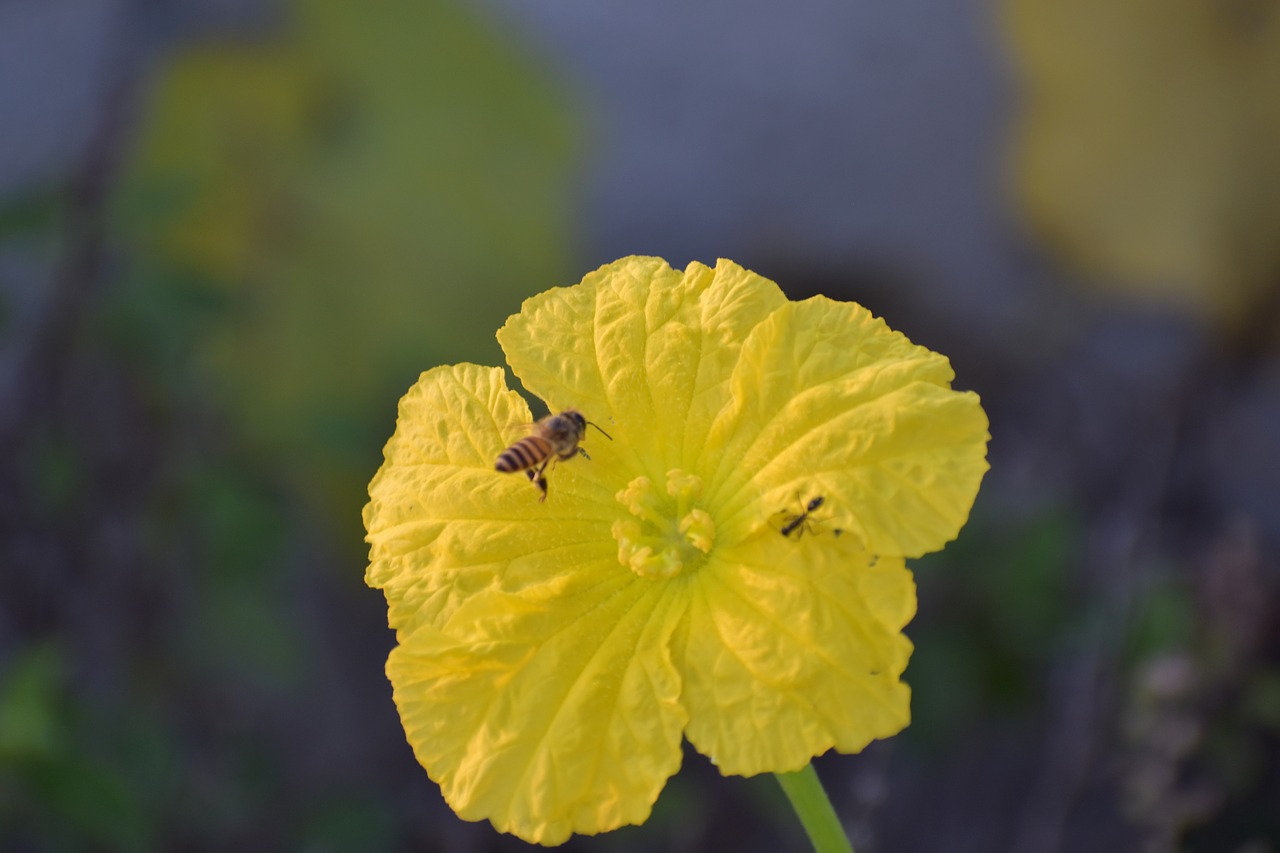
x: 666, y: 533
x: 664, y: 564
x: 699, y: 530
x: 683, y: 486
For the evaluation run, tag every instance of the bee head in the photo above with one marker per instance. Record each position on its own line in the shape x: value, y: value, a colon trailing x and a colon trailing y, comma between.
x: 578, y: 420
x: 582, y: 423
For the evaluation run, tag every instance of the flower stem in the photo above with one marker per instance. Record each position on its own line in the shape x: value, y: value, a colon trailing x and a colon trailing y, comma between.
x: 810, y: 801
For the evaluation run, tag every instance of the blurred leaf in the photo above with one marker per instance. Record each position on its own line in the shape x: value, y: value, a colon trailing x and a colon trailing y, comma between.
x: 157, y: 320
x: 351, y: 822
x: 1238, y: 757
x: 1025, y: 584
x: 1164, y: 621
x: 1261, y: 701
x: 74, y: 773
x: 242, y: 537
x: 375, y: 192
x: 946, y: 678
x: 31, y: 214
x: 59, y: 475
x: 1148, y: 149
x: 30, y: 692
x: 89, y: 804
x: 243, y: 524
x: 997, y: 606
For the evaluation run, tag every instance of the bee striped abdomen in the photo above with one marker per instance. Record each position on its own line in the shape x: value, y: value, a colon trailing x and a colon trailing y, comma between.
x: 555, y: 437
x: 524, y: 454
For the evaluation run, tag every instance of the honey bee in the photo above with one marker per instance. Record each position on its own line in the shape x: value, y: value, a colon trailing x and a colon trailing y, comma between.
x: 555, y: 437
x: 802, y: 522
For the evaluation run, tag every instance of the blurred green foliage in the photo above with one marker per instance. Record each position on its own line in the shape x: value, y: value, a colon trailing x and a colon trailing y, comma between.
x: 308, y: 219
x: 32, y: 215
x: 241, y: 535
x: 351, y: 821
x: 1260, y: 704
x: 29, y: 693
x: 996, y: 607
x: 58, y: 474
x: 57, y: 770
x: 1164, y: 620
x: 336, y: 209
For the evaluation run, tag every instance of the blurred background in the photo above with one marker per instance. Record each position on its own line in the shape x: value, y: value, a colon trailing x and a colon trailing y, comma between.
x: 232, y: 233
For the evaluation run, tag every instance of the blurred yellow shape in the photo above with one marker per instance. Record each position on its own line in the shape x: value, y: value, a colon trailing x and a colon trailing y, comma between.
x: 1148, y: 149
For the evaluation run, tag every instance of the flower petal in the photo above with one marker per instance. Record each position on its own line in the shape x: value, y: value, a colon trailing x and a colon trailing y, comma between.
x: 547, y: 718
x: 792, y: 648
x: 443, y: 524
x: 827, y: 400
x: 647, y: 349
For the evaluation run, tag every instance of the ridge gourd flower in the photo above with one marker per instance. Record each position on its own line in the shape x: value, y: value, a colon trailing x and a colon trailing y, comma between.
x: 552, y: 655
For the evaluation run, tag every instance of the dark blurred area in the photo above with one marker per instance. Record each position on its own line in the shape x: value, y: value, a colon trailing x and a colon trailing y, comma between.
x: 232, y: 234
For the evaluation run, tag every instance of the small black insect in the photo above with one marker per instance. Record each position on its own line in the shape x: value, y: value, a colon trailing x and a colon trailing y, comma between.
x: 803, y: 522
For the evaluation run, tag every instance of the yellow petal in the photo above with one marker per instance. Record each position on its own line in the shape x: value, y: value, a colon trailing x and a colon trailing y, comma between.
x: 793, y: 648
x: 828, y: 401
x: 443, y: 524
x: 643, y: 349
x: 547, y: 718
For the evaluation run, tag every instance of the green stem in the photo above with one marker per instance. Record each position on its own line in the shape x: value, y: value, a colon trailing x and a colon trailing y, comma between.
x: 810, y: 801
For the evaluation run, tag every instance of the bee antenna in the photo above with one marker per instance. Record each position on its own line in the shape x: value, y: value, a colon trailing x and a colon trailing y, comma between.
x: 602, y: 432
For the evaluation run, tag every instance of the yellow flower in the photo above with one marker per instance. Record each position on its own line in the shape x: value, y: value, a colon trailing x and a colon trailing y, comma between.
x: 552, y: 655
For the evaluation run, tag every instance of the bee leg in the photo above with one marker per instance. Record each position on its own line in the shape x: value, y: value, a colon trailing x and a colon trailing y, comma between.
x: 539, y: 479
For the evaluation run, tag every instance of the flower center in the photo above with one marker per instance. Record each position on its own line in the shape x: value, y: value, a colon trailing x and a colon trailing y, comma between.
x: 667, y: 532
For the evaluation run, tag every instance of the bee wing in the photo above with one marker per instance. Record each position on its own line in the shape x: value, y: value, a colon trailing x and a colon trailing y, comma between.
x: 516, y: 430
